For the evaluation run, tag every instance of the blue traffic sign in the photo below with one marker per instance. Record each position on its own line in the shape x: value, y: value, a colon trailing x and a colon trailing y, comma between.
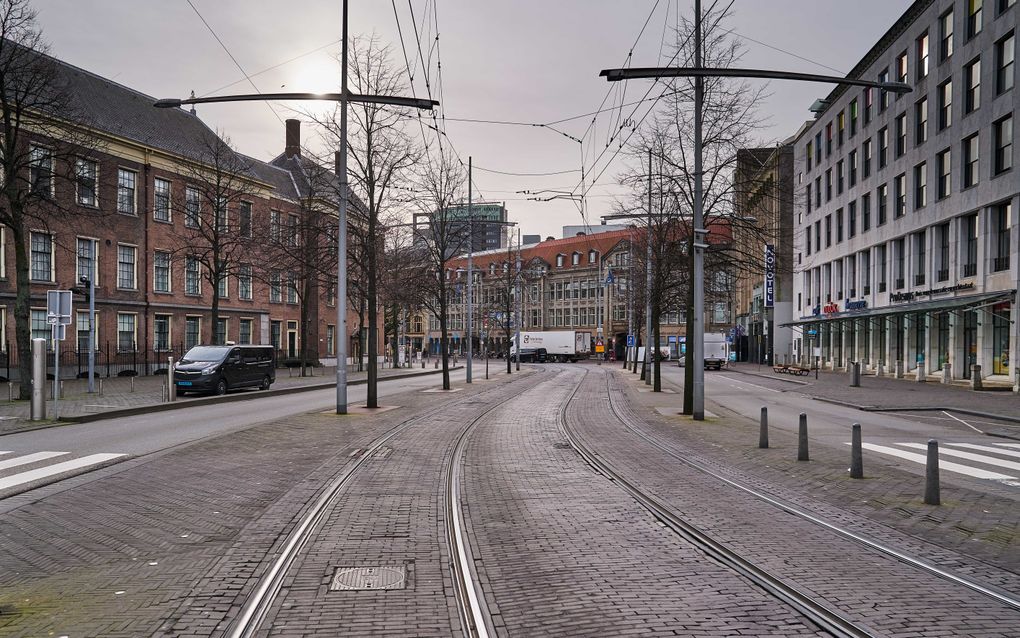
x: 630, y: 341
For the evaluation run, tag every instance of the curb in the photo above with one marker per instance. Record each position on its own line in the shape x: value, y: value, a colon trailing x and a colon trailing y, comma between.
x: 877, y: 408
x: 243, y: 396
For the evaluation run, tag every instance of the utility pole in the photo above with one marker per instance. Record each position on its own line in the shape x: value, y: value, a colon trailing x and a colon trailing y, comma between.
x: 648, y: 281
x: 630, y: 301
x: 520, y: 300
x: 93, y: 269
x: 341, y: 236
x: 471, y: 248
x: 698, y: 319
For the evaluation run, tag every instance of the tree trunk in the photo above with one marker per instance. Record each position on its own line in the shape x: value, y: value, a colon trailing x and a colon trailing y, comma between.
x: 304, y: 333
x: 637, y: 341
x: 361, y: 334
x: 22, y: 314
x: 444, y: 351
x: 656, y: 357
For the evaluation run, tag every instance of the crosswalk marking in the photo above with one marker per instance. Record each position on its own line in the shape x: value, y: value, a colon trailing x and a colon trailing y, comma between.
x: 5, y: 451
x: 970, y: 456
x: 50, y: 470
x: 948, y: 466
x: 29, y: 458
x: 1016, y: 445
x: 986, y: 448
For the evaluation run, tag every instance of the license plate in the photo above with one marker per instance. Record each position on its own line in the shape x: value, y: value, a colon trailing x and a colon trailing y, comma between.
x: 184, y: 383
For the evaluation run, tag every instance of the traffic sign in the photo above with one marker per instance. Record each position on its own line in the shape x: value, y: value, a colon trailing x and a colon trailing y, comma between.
x: 631, y: 341
x: 600, y: 346
x: 58, y: 307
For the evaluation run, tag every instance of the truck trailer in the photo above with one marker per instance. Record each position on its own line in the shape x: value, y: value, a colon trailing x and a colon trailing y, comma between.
x: 559, y: 345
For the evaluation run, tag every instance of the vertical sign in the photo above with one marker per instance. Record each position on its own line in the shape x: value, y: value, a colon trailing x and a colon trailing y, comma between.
x: 770, y: 275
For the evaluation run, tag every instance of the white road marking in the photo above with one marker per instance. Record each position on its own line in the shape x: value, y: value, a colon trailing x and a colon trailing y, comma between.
x: 5, y: 451
x: 962, y: 421
x: 51, y: 470
x: 943, y: 465
x: 1016, y: 445
x: 754, y: 385
x: 29, y: 458
x: 970, y: 456
x: 986, y: 448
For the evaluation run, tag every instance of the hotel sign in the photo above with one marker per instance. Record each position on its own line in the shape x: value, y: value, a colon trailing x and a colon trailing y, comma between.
x: 931, y: 292
x: 770, y: 275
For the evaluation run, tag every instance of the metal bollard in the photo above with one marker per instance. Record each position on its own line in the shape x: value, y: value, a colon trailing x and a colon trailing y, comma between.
x: 162, y: 392
x: 38, y: 405
x: 171, y: 387
x: 855, y: 374
x: 879, y: 370
x: 763, y: 429
x: 921, y: 376
x: 947, y: 373
x: 802, y: 442
x: 132, y: 384
x: 10, y: 392
x: 100, y: 387
x: 975, y: 377
x: 60, y: 386
x: 898, y: 371
x: 856, y: 455
x: 931, y: 475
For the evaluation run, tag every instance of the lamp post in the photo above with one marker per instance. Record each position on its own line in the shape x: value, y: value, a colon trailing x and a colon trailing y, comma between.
x: 699, y: 72
x: 344, y: 97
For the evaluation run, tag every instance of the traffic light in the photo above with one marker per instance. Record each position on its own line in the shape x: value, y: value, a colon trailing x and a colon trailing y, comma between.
x: 83, y: 289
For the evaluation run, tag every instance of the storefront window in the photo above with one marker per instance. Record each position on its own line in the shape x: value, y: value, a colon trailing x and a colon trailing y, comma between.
x: 1000, y: 339
x: 943, y: 341
x: 919, y: 338
x: 969, y: 341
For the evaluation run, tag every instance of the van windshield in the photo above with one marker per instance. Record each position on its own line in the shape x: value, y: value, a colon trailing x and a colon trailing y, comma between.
x: 204, y: 353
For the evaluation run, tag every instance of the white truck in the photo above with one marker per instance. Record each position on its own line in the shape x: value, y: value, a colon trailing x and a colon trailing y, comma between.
x: 717, y: 352
x: 559, y: 345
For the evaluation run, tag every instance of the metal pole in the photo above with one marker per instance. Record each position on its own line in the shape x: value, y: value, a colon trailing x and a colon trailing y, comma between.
x: 92, y: 317
x: 341, y: 238
x: 171, y: 387
x: 932, y: 494
x: 630, y: 302
x: 696, y: 337
x: 56, y: 370
x: 520, y: 300
x: 856, y: 456
x: 471, y: 248
x: 648, y: 281
x: 38, y: 379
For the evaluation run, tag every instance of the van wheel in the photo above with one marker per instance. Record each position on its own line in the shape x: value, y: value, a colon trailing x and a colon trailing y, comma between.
x: 265, y: 383
x: 221, y: 387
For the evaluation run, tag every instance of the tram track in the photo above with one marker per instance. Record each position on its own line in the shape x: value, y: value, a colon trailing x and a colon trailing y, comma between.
x: 470, y: 601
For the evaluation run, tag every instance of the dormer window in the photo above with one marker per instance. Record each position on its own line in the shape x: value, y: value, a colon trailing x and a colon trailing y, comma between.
x: 575, y: 259
x: 591, y: 256
x: 559, y: 261
x: 492, y: 269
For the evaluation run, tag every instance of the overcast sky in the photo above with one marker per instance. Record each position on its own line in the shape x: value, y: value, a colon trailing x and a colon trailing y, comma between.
x: 531, y: 61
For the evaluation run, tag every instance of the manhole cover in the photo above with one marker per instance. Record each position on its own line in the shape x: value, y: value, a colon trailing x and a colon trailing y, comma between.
x: 355, y: 578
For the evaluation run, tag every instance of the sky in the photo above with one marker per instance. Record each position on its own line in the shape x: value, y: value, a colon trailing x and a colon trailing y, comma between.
x: 525, y: 61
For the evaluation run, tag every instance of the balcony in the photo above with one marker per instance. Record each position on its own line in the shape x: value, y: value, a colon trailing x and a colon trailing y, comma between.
x: 944, y: 274
x: 969, y: 270
x: 919, y: 279
x: 1000, y: 263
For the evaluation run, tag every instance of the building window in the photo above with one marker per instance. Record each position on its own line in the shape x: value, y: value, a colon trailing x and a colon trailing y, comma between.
x: 841, y: 126
x: 920, y: 262
x: 865, y: 212
x: 292, y: 291
x: 575, y: 258
x: 192, y: 276
x: 161, y: 200
x: 970, y: 161
x: 40, y: 328
x: 828, y: 230
x: 192, y: 331
x: 274, y: 226
x: 223, y: 284
x: 244, y: 283
x: 222, y: 215
x: 920, y: 185
x: 1000, y: 227
x: 972, y: 86
x: 292, y: 230
x: 969, y: 245
x: 1005, y: 56
x: 839, y: 177
x: 808, y: 235
x: 883, y: 146
x: 852, y: 161
x: 883, y: 95
x: 922, y: 56
x: 192, y: 207
x: 126, y: 326
x: 974, y: 14
x: 244, y: 219
x: 944, y: 166
x: 220, y: 333
x: 901, y: 134
x: 883, y: 268
x: 943, y: 265
x: 828, y: 139
x: 126, y: 202
x: 40, y: 171
x: 275, y: 329
x: 818, y: 192
x: 86, y: 173
x: 828, y: 185
x: 883, y: 203
x: 275, y: 287
x: 921, y: 121
x: 818, y: 148
x: 868, y: 98
x: 945, y: 96
x: 900, y: 192
x: 82, y: 331
x: 161, y: 333
x: 851, y: 212
x: 807, y: 155
x: 945, y: 35
x: 161, y: 272
x: 900, y: 249
x: 87, y: 259
x: 865, y: 261
x: 126, y: 270
x: 853, y: 117
x: 245, y: 331
x: 807, y: 197
x: 901, y: 69
x: 839, y: 226
x: 818, y: 235
x: 42, y: 256
x: 866, y: 158
x: 1003, y: 145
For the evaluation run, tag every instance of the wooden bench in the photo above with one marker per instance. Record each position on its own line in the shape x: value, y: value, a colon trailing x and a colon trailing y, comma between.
x: 799, y: 371
x: 781, y: 368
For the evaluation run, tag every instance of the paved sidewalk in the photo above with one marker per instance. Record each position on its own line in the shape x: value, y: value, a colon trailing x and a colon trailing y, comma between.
x: 120, y: 393
x: 888, y: 393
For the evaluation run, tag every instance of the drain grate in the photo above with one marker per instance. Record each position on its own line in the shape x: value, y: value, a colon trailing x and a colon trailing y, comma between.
x: 362, y: 578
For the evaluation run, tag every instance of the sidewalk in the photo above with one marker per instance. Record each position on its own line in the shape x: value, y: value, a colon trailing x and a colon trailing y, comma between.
x: 120, y: 393
x: 888, y: 393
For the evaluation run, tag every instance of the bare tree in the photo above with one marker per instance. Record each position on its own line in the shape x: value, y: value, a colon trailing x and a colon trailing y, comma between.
x: 42, y: 185
x: 217, y: 235
x: 382, y: 154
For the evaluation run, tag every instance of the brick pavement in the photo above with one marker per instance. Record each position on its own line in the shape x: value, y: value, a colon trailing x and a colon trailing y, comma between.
x: 565, y: 553
x: 863, y: 583
x: 166, y: 544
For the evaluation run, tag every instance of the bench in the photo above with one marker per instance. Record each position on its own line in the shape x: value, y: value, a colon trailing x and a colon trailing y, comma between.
x: 799, y: 371
x: 781, y: 368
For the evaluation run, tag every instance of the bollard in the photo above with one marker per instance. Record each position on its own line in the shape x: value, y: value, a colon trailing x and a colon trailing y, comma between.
x: 60, y: 386
x: 171, y: 387
x: 763, y: 430
x: 38, y: 405
x: 802, y: 443
x: 855, y: 374
x: 947, y: 373
x: 898, y: 372
x: 132, y: 384
x: 162, y: 392
x: 856, y: 456
x: 10, y: 392
x: 100, y: 387
x: 879, y: 372
x: 436, y: 366
x: 921, y: 376
x: 931, y: 475
x: 975, y: 377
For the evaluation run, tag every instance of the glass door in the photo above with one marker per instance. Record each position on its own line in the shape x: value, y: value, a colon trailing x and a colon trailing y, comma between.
x: 969, y: 342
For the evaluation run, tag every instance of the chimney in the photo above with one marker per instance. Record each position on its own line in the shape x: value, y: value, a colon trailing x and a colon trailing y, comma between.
x: 293, y: 139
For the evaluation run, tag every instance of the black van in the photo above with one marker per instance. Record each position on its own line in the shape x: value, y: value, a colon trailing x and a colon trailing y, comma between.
x: 217, y: 369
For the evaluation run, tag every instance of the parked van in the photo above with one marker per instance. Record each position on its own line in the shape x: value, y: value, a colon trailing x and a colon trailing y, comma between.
x: 218, y: 369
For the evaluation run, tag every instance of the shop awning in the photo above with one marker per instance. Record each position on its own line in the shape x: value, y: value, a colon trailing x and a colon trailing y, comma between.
x: 961, y: 303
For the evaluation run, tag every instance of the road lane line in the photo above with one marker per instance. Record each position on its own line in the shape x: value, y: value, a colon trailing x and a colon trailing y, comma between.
x: 50, y: 470
x: 755, y: 385
x: 1016, y: 445
x: 29, y: 458
x: 944, y: 465
x: 970, y: 456
x: 986, y: 448
x: 962, y: 421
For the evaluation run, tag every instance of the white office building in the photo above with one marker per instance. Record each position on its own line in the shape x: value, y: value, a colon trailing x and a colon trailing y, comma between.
x: 906, y: 219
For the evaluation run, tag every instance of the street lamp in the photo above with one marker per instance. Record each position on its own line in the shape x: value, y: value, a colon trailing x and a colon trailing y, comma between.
x: 699, y: 72
x: 343, y: 97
